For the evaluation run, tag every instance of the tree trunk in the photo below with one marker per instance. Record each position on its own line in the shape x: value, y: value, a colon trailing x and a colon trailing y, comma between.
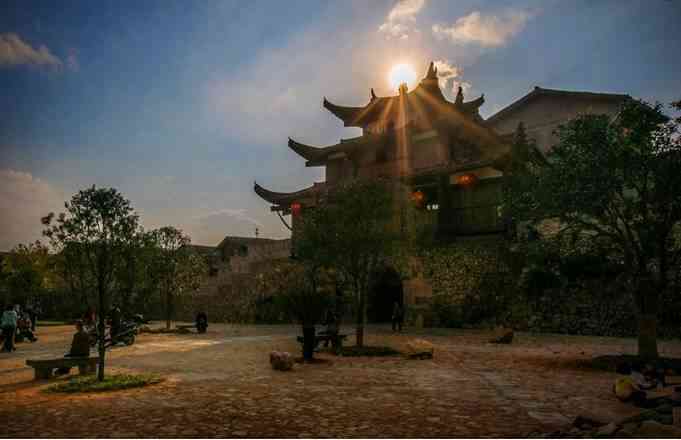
x: 647, y: 336
x: 168, y: 309
x: 101, y: 336
x: 361, y: 315
x: 647, y: 304
x: 308, y: 342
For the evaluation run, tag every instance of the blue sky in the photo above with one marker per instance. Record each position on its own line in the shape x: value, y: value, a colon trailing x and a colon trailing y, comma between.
x: 182, y: 105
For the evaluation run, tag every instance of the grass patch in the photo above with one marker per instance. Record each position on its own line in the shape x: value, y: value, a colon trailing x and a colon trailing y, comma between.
x: 89, y: 384
x: 368, y: 351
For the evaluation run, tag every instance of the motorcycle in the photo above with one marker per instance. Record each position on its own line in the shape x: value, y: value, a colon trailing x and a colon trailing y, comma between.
x: 126, y: 334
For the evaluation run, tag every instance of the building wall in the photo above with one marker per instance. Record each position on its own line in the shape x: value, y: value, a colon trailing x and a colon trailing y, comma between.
x: 543, y: 114
x: 260, y: 254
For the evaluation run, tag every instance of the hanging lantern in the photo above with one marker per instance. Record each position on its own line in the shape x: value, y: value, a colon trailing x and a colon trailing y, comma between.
x: 295, y: 209
x: 418, y: 198
x: 466, y: 179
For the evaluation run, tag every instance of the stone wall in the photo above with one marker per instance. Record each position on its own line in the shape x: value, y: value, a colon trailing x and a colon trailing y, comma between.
x: 474, y: 283
x: 231, y: 295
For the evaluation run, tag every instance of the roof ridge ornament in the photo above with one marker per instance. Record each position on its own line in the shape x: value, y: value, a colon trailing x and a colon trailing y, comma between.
x: 432, y: 71
x: 373, y: 95
x: 459, y: 96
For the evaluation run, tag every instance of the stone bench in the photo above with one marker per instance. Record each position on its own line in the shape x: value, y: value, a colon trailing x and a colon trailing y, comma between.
x: 44, y: 368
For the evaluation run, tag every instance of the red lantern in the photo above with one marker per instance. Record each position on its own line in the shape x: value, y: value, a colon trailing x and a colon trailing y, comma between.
x: 466, y: 179
x: 418, y: 197
x: 295, y: 209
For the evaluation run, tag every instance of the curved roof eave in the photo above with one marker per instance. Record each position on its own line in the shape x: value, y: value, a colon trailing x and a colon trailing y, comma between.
x: 307, y: 152
x: 281, y: 198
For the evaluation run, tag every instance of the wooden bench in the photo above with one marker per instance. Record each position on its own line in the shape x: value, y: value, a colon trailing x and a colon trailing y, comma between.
x: 336, y: 340
x: 44, y: 368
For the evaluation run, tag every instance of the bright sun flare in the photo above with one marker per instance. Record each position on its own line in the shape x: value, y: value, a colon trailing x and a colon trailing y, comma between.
x: 401, y: 73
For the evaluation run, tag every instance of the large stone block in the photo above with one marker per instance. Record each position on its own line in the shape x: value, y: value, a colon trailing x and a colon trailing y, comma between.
x: 420, y: 349
x: 281, y: 360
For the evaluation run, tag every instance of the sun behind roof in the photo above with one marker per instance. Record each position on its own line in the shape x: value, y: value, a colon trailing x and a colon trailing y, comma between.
x: 402, y: 73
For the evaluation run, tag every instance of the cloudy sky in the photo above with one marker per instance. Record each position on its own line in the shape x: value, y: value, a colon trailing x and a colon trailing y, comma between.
x: 182, y: 105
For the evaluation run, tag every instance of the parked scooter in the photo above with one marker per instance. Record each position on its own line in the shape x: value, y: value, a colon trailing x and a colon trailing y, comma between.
x: 126, y: 334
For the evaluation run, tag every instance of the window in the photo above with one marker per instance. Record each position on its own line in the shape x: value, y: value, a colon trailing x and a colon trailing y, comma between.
x: 475, y: 209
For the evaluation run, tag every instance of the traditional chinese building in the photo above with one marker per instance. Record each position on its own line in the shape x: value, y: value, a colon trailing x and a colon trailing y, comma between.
x: 443, y: 150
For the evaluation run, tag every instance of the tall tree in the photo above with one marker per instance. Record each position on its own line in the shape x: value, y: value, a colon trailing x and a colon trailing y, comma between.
x: 27, y: 271
x: 617, y: 181
x: 71, y: 264
x: 304, y: 294
x: 177, y: 269
x: 134, y: 278
x: 99, y: 222
x: 360, y: 226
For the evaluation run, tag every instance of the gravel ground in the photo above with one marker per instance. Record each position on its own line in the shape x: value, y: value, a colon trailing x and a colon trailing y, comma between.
x: 221, y: 385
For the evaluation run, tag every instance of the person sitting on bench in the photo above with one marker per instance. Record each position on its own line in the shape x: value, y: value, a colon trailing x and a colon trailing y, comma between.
x: 24, y: 328
x: 80, y: 346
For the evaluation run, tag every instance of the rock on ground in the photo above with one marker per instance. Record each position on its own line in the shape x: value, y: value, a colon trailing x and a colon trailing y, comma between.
x: 419, y: 348
x: 281, y: 360
x: 502, y: 336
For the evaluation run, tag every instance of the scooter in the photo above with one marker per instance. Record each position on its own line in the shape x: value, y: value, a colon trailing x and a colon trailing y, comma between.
x: 126, y: 334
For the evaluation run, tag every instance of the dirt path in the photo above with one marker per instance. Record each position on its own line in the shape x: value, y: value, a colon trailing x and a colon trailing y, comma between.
x: 220, y: 384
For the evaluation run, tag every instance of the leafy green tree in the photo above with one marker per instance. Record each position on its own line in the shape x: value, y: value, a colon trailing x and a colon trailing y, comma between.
x: 98, y: 222
x: 303, y: 293
x: 618, y: 182
x: 358, y: 228
x: 176, y: 269
x: 26, y: 271
x: 71, y: 265
x: 134, y: 278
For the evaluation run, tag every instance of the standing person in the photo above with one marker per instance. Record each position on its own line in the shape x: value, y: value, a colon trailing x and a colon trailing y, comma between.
x: 28, y: 312
x: 35, y: 312
x: 9, y: 328
x: 398, y: 316
x: 201, y: 322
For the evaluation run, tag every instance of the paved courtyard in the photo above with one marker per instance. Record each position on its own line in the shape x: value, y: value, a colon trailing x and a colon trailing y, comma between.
x: 221, y: 384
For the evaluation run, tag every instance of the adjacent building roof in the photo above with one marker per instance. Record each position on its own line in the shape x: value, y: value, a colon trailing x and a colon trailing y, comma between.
x: 541, y: 92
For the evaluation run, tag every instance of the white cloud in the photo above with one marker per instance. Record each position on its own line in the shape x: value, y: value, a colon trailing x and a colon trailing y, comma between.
x: 280, y: 93
x: 24, y: 199
x: 398, y: 23
x: 485, y: 30
x: 210, y: 228
x: 449, y: 77
x: 15, y: 52
x: 236, y: 214
x: 406, y: 10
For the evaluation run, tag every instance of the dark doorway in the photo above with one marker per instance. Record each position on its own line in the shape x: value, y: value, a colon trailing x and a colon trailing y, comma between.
x: 386, y: 290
